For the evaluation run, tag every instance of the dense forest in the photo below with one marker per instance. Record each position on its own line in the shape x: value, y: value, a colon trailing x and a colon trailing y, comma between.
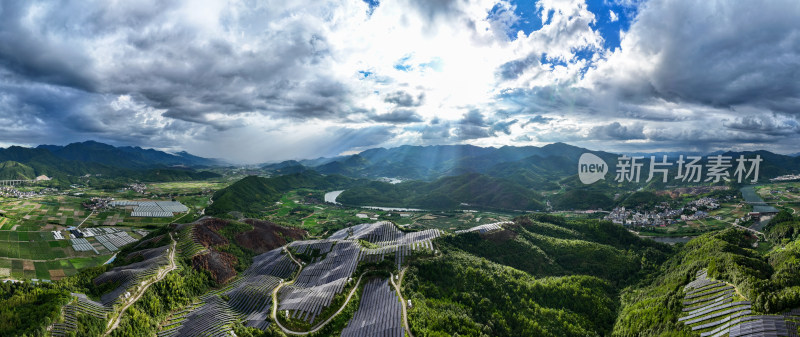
x: 542, y: 276
x: 473, y: 190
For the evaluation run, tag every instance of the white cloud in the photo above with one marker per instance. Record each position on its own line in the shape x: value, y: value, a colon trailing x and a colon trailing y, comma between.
x: 612, y: 17
x: 181, y: 74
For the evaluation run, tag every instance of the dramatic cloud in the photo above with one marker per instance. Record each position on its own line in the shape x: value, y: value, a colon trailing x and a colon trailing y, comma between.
x: 257, y: 81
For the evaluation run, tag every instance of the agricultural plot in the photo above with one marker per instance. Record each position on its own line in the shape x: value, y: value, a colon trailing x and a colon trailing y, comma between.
x: 42, y: 213
x: 186, y: 187
x: 378, y: 314
x: 713, y: 308
x: 130, y: 275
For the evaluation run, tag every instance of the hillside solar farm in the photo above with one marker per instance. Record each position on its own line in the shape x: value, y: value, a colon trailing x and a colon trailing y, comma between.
x: 714, y: 309
x: 160, y: 266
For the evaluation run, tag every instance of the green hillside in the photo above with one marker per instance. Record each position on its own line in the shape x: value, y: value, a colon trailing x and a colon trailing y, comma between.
x: 769, y: 280
x: 541, y: 276
x: 252, y: 194
x: 475, y: 190
x: 11, y: 170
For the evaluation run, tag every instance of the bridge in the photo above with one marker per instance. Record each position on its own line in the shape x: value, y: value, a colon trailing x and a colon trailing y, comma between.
x: 15, y: 182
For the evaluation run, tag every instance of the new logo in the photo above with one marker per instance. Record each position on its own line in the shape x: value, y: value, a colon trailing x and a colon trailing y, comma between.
x: 591, y: 168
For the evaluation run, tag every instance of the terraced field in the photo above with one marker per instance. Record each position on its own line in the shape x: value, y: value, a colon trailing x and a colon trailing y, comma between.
x: 714, y: 308
x: 130, y: 275
x: 247, y: 300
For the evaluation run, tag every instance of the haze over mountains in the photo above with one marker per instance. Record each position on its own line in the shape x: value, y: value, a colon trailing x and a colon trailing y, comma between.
x: 533, y: 167
x: 527, y: 165
x: 94, y: 158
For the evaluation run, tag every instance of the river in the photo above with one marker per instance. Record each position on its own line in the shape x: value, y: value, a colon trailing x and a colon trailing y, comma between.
x: 331, y: 198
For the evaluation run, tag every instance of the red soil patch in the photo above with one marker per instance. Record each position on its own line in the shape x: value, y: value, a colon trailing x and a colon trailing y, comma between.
x: 206, y: 232
x: 219, y: 265
x: 267, y: 236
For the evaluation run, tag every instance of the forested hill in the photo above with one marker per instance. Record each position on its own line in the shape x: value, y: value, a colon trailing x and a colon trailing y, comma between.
x: 541, y: 276
x: 769, y: 281
x: 538, y: 168
x: 472, y: 190
x: 253, y: 193
x: 65, y: 163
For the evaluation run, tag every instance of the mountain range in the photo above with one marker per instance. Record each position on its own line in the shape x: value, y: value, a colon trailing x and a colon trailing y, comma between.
x: 94, y: 158
x: 529, y: 166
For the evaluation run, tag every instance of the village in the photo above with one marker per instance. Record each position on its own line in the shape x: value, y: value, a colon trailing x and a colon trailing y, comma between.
x: 664, y: 215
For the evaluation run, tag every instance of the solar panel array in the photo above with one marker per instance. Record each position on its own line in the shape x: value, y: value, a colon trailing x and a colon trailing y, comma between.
x: 378, y: 314
x: 708, y: 304
x: 82, y: 245
x: 152, y: 209
x: 484, y: 228
x: 82, y: 305
x: 115, y: 241
x: 212, y: 319
x: 250, y: 300
x: 129, y: 275
x: 391, y: 241
x: 319, y: 282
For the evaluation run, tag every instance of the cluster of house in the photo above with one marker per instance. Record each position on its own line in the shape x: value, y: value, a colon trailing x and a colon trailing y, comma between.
x: 11, y: 192
x: 664, y: 215
x: 787, y: 177
x: 97, y: 203
x: 138, y: 188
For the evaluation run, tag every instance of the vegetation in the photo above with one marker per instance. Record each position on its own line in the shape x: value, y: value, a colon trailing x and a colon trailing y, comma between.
x: 782, y: 227
x: 473, y: 189
x: 771, y: 282
x: 27, y: 310
x: 458, y: 293
x: 582, y: 199
x: 253, y: 194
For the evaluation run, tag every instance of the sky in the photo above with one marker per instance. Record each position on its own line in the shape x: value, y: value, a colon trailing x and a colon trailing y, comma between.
x: 265, y: 81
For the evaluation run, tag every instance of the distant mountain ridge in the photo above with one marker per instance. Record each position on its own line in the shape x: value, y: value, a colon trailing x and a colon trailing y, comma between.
x: 94, y: 158
x: 527, y: 165
x: 125, y: 156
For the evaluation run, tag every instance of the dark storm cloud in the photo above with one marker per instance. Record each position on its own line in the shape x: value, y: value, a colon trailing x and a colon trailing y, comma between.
x: 766, y: 125
x: 404, y: 99
x: 718, y: 54
x: 397, y: 116
x: 617, y: 131
x: 473, y: 118
x: 175, y: 67
x: 503, y: 126
x: 538, y: 119
x: 35, y: 52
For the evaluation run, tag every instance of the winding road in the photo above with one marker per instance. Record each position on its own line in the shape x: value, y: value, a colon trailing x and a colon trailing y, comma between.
x: 402, y: 300
x: 114, y: 323
x: 321, y: 325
